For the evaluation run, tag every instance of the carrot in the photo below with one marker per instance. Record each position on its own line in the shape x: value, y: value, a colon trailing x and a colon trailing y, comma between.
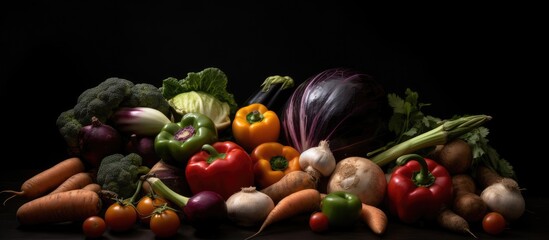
x: 49, y: 179
x: 73, y: 205
x: 290, y: 183
x: 375, y: 218
x: 94, y: 187
x: 76, y: 181
x: 302, y: 201
x: 449, y: 220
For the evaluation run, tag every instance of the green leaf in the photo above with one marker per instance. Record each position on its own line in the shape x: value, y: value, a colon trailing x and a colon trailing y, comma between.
x: 170, y: 88
x: 477, y: 151
x: 431, y: 122
x: 407, y: 121
x: 411, y: 132
x: 396, y: 123
x: 396, y: 103
x: 411, y: 96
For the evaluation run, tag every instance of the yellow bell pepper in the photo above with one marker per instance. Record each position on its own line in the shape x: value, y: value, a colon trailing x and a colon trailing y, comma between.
x: 272, y: 161
x: 255, y: 124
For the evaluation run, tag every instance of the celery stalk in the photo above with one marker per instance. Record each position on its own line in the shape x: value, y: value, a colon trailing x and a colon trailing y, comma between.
x: 448, y: 130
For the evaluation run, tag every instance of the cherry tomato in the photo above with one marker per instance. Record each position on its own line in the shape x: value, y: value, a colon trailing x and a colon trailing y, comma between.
x: 165, y: 223
x: 94, y: 227
x: 120, y: 217
x: 493, y: 223
x: 318, y: 222
x: 146, y: 206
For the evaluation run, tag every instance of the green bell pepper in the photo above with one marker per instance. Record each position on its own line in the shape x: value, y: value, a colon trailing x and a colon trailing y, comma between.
x: 177, y: 142
x: 342, y: 209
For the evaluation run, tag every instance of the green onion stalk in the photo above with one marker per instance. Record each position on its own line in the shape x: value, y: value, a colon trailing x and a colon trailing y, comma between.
x: 442, y: 134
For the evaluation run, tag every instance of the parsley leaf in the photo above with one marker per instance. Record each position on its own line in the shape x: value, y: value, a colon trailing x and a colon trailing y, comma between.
x: 407, y: 120
x: 485, y: 154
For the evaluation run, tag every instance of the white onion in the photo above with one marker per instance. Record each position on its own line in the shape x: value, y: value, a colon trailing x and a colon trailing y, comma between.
x: 249, y: 207
x: 360, y: 176
x: 504, y: 197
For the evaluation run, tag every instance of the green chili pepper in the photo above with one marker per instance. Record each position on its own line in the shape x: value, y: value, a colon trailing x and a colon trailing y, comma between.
x: 177, y: 142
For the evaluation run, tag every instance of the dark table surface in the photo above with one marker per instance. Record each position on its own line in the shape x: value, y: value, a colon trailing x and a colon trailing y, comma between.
x: 534, y: 224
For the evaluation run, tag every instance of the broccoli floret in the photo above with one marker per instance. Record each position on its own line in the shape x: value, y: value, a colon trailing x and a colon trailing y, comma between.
x: 68, y: 125
x: 102, y: 101
x: 120, y: 174
x: 144, y: 94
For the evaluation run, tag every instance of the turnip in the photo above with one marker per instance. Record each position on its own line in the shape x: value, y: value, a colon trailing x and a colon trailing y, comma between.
x: 360, y: 176
x: 501, y: 194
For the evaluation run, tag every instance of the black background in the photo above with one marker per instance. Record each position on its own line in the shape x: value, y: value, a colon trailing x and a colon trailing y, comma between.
x: 464, y: 59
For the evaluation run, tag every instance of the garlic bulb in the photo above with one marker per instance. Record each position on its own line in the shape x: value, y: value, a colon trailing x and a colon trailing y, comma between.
x: 318, y: 160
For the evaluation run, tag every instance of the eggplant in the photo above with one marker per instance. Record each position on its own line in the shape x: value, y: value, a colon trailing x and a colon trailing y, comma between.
x: 274, y: 92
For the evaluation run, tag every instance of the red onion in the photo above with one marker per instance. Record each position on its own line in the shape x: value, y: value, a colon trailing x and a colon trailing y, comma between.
x: 144, y: 147
x: 97, y: 141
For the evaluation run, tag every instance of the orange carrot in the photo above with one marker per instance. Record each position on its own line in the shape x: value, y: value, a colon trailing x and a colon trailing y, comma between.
x: 94, y: 187
x: 290, y: 183
x: 76, y: 181
x: 49, y: 179
x: 375, y: 218
x: 73, y: 205
x: 307, y: 200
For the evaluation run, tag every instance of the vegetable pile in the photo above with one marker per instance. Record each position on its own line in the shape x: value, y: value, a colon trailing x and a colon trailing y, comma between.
x: 337, y: 148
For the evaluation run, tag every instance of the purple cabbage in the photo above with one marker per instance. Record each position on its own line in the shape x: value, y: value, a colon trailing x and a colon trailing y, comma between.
x: 346, y: 107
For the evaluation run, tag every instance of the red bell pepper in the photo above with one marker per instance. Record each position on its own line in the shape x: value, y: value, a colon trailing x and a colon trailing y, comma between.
x: 223, y: 167
x: 418, y: 189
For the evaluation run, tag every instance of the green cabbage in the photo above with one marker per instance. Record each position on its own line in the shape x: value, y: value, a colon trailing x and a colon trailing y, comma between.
x: 204, y: 92
x: 202, y: 103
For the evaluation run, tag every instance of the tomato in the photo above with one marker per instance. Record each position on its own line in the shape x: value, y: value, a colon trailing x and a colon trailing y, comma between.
x: 165, y: 223
x: 94, y: 227
x: 120, y: 217
x: 146, y: 206
x: 318, y: 222
x: 493, y: 223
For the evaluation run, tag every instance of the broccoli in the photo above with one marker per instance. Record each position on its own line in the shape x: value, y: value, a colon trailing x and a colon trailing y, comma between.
x: 102, y: 101
x: 120, y: 174
x: 70, y: 126
x: 144, y: 94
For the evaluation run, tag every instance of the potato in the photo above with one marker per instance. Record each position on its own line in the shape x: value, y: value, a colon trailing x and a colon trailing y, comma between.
x: 456, y: 156
x: 467, y: 203
x: 470, y: 206
x: 360, y: 176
